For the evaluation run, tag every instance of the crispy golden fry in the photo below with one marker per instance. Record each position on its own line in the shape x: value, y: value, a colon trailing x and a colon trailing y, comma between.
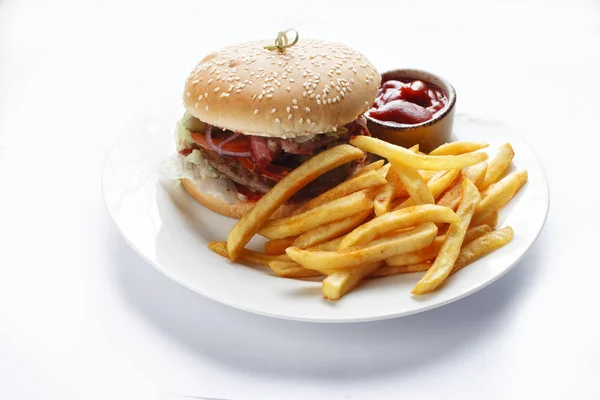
x: 444, y: 262
x: 481, y: 246
x: 329, y: 231
x: 378, y: 250
x: 390, y: 270
x: 341, y: 282
x: 414, y: 184
x: 364, y: 181
x: 383, y: 171
x: 419, y: 256
x: 430, y: 252
x: 436, y: 186
x: 451, y: 198
x: 405, y: 218
x: 476, y: 173
x: 400, y: 155
x: 374, y: 166
x: 402, y: 192
x: 383, y: 199
x: 325, y: 213
x: 331, y: 245
x: 498, y: 166
x: 498, y: 195
x: 247, y: 256
x: 291, y: 269
x: 476, y: 232
x: 457, y: 148
x: 278, y: 246
x: 257, y: 217
x: 491, y: 220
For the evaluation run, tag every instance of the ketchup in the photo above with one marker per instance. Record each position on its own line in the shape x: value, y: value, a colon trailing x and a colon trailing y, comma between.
x: 408, y: 101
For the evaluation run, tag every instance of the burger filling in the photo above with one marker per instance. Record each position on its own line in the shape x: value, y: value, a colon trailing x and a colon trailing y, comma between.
x: 254, y: 163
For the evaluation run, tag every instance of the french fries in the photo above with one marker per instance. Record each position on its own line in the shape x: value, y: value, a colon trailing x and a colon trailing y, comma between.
x: 374, y: 166
x: 407, y: 217
x: 253, y: 220
x: 498, y: 195
x: 498, y: 166
x: 278, y: 246
x: 444, y: 262
x: 378, y: 250
x: 451, y: 198
x: 364, y: 181
x: 456, y: 148
x: 291, y: 269
x: 332, y: 230
x: 435, y: 186
x: 339, y: 283
x: 386, y: 218
x: 247, y: 256
x: 400, y: 155
x: 325, y: 213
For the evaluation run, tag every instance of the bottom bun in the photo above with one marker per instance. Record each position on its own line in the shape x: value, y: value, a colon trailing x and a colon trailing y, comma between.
x: 235, y: 210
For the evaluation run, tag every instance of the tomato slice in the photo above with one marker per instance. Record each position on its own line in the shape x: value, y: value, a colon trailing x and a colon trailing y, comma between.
x: 250, y: 195
x: 185, y: 152
x: 275, y: 172
x: 247, y: 163
x: 237, y: 145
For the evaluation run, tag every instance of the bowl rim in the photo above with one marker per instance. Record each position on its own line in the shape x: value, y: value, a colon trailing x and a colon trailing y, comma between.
x: 451, y: 92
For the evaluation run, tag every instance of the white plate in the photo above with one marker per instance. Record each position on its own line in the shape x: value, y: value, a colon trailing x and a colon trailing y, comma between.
x: 171, y: 231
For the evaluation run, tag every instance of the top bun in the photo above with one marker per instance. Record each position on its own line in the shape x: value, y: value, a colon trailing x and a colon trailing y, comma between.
x: 312, y: 87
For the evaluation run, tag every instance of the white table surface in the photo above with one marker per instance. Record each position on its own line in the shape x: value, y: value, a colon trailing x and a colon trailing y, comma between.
x: 83, y: 317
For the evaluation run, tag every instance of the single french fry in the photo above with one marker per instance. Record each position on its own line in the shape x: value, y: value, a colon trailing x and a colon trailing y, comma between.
x: 383, y: 171
x: 498, y: 166
x: 435, y: 186
x: 383, y: 198
x: 451, y: 198
x: 378, y: 250
x: 360, y: 182
x: 482, y: 246
x: 390, y: 270
x: 330, y: 245
x: 340, y: 283
x: 450, y: 249
x: 374, y: 166
x: 498, y: 195
x: 404, y: 218
x: 247, y: 256
x: 396, y: 154
x: 419, y: 256
x: 415, y: 185
x: 457, y: 148
x: 329, y: 231
x: 278, y: 246
x: 325, y: 213
x: 257, y: 217
x: 291, y: 269
x: 490, y: 220
x: 476, y: 232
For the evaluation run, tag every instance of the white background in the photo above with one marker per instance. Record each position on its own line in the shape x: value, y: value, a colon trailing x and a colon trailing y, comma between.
x: 83, y: 317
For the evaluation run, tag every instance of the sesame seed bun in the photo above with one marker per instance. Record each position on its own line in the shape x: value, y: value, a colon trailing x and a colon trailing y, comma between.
x: 230, y: 210
x: 310, y: 88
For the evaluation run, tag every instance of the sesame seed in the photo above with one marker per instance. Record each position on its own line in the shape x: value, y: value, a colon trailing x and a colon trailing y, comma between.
x: 260, y: 96
x: 308, y: 121
x: 295, y: 107
x: 195, y: 81
x: 294, y: 101
x: 206, y: 108
x: 328, y: 101
x: 312, y: 96
x: 206, y: 94
x: 256, y: 111
x: 273, y: 111
x: 304, y: 94
x: 200, y: 97
x: 269, y: 96
x: 288, y: 88
x: 217, y: 89
x: 253, y: 96
x: 288, y: 109
x: 300, y: 121
x: 209, y: 81
x: 352, y: 80
x: 292, y: 80
x: 188, y: 94
x: 277, y: 120
x: 289, y: 116
x: 307, y: 109
x: 334, y: 129
x: 318, y: 102
x: 224, y: 94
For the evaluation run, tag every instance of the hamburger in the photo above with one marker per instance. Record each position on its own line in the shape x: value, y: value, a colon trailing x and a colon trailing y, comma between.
x: 256, y: 111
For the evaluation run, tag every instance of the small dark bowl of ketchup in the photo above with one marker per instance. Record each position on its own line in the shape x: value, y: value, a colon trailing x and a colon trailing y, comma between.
x: 413, y: 107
